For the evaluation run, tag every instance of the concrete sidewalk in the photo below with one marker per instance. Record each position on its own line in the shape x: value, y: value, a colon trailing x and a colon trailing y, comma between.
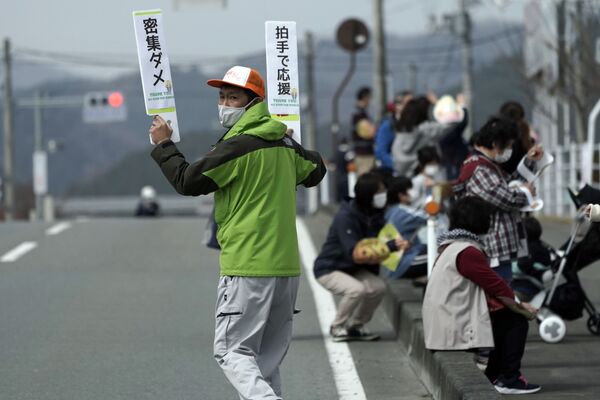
x: 565, y: 370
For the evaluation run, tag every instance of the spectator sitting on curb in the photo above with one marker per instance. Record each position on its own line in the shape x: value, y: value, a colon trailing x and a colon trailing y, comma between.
x: 343, y: 270
x: 468, y: 306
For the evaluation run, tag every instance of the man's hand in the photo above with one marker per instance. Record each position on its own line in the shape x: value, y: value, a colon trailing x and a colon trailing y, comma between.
x: 160, y: 131
x: 536, y: 153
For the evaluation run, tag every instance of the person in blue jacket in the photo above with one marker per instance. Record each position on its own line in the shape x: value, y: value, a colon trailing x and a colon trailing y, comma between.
x: 407, y: 221
x: 344, y: 271
x: 384, y: 138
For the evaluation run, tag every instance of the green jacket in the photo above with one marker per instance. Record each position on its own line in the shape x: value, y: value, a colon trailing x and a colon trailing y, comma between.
x: 254, y: 171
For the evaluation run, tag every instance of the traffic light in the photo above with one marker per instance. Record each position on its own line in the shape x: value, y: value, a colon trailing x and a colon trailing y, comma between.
x: 101, y: 107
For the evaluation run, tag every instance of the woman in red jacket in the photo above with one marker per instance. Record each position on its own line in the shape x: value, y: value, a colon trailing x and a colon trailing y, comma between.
x: 468, y: 306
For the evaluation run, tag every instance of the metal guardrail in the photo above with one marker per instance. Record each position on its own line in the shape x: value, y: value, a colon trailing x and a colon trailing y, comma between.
x: 125, y: 206
x: 568, y: 171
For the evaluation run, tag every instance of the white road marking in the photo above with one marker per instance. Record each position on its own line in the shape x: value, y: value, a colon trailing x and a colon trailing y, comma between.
x: 58, y: 228
x: 345, y: 375
x: 18, y: 252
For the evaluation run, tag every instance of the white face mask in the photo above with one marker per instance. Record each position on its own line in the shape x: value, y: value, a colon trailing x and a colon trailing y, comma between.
x: 379, y: 200
x: 431, y: 170
x: 228, y: 116
x: 504, y: 156
x: 413, y: 194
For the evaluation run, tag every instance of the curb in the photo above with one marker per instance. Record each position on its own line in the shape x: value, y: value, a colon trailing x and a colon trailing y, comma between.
x: 447, y: 375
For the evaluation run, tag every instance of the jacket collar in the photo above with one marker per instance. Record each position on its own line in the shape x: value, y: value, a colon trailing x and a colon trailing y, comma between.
x: 257, y: 121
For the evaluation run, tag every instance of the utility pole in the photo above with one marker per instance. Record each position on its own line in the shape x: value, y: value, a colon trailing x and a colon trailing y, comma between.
x: 467, y: 62
x: 379, y: 61
x: 39, y: 153
x: 310, y: 91
x: 311, y: 142
x: 8, y: 136
x: 413, y: 82
x: 580, y: 97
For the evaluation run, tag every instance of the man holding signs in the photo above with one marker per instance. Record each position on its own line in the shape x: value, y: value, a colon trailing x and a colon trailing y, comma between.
x: 253, y: 171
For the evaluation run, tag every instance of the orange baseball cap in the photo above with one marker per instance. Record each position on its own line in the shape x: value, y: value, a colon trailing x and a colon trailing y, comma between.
x: 244, y: 77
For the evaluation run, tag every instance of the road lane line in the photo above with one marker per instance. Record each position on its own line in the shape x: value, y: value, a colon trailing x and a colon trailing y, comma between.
x: 18, y: 252
x: 58, y: 228
x: 347, y: 381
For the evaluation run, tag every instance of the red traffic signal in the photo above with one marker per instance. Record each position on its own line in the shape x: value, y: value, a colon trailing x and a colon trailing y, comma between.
x: 116, y: 99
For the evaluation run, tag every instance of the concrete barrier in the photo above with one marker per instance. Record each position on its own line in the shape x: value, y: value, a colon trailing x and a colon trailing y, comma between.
x: 448, y: 375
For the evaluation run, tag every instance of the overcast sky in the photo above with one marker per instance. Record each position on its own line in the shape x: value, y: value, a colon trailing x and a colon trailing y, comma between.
x: 205, y: 29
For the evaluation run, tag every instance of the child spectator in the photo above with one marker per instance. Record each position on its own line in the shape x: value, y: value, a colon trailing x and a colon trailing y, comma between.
x: 407, y: 221
x: 344, y: 271
x: 468, y: 306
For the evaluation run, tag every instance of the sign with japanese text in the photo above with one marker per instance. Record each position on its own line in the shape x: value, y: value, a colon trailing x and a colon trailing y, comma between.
x: 283, y: 90
x: 159, y: 95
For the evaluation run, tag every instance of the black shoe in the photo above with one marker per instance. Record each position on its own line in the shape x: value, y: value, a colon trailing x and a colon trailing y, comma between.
x: 360, y: 333
x: 516, y: 385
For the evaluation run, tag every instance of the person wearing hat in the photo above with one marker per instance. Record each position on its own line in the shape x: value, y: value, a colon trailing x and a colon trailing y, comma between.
x: 253, y: 170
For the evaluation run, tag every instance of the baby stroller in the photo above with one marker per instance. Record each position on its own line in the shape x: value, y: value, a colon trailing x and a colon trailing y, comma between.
x: 561, y: 296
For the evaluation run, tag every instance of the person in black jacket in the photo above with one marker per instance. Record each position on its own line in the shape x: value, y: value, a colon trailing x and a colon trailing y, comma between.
x: 344, y: 271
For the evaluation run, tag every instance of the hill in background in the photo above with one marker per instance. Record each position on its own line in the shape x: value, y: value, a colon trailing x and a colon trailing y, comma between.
x: 92, y: 152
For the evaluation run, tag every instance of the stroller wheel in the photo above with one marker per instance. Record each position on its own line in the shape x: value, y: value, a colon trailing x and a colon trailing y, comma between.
x: 552, y: 329
x: 593, y: 324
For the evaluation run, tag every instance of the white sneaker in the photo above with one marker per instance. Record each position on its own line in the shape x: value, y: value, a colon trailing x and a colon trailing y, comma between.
x: 339, y: 334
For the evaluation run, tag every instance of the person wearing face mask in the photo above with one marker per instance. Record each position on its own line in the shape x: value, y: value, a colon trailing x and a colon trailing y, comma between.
x: 253, y: 170
x: 481, y: 176
x: 407, y: 220
x: 467, y: 306
x: 428, y: 173
x: 344, y: 271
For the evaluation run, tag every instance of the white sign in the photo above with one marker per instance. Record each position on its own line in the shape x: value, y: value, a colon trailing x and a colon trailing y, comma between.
x: 283, y: 90
x: 40, y: 173
x: 159, y: 95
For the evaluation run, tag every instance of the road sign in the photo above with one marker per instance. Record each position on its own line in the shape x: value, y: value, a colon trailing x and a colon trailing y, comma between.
x: 159, y: 95
x: 101, y: 107
x: 352, y: 35
x: 283, y: 89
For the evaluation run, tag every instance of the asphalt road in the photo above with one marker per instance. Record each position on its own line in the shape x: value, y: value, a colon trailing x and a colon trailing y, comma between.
x: 124, y: 309
x: 569, y: 369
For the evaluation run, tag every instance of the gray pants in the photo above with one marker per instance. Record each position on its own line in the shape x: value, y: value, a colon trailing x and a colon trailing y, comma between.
x: 253, y: 332
x: 361, y: 294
